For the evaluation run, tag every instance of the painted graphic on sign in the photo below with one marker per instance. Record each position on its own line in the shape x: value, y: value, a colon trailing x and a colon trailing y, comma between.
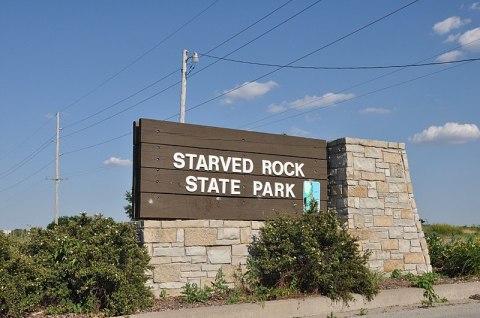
x: 311, y: 196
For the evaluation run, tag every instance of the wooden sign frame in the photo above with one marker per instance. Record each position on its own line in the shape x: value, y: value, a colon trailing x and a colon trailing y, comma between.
x: 184, y: 171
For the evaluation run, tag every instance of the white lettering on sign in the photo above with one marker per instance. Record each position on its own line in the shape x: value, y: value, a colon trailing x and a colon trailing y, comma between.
x: 212, y: 185
x: 239, y: 165
x: 212, y: 163
x: 280, y: 190
x: 278, y: 168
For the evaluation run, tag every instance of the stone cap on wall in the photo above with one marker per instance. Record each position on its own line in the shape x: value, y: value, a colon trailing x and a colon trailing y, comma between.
x: 367, y: 143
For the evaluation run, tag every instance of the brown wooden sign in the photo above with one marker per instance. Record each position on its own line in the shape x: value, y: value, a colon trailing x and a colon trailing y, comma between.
x: 184, y: 171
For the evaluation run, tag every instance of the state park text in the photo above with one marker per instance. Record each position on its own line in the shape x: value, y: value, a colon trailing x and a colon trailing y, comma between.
x: 238, y: 165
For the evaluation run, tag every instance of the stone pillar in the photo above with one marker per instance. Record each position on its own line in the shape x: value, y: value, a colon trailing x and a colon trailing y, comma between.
x: 371, y: 189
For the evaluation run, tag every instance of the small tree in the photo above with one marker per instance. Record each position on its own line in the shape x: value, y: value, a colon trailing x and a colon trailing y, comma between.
x: 129, y: 207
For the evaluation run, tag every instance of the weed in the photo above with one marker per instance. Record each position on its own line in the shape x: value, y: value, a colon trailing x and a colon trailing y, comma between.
x: 191, y: 293
x: 219, y: 286
x: 363, y: 312
x: 426, y: 282
x: 235, y: 296
x: 396, y: 274
x: 163, y: 293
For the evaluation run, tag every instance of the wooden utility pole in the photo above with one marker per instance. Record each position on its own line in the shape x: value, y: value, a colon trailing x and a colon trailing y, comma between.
x: 57, y: 178
x: 183, y: 94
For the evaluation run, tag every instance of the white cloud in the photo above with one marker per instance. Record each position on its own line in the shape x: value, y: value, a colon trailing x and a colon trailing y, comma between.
x: 247, y: 91
x: 276, y: 108
x: 452, y: 38
x: 295, y: 131
x: 449, y: 24
x: 311, y: 102
x: 449, y: 56
x: 475, y: 6
x: 117, y: 162
x: 453, y: 133
x: 375, y: 110
x: 471, y: 40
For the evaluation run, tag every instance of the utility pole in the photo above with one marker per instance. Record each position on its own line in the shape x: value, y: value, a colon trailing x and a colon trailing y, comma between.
x: 184, y: 86
x: 57, y: 178
x: 183, y: 95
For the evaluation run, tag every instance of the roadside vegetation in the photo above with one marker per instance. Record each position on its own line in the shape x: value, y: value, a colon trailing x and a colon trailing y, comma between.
x: 454, y: 254
x: 92, y: 265
x: 454, y: 250
x: 447, y: 231
x: 83, y: 265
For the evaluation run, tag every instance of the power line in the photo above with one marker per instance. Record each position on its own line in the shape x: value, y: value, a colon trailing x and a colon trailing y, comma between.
x: 244, y: 45
x: 20, y: 144
x: 225, y: 41
x: 22, y: 192
x: 249, y: 26
x: 361, y: 84
x: 95, y: 145
x: 304, y: 56
x: 75, y: 174
x: 255, y: 39
x: 28, y: 158
x: 132, y: 63
x: 121, y: 111
x: 140, y: 57
x: 105, y: 82
x: 359, y: 96
x: 370, y: 67
x: 178, y: 82
x: 28, y: 177
x: 122, y: 100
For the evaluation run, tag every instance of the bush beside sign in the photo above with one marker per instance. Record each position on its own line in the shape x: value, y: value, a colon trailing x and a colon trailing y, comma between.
x: 185, y: 171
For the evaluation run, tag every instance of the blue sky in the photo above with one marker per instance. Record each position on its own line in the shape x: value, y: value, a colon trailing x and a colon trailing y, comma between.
x: 85, y: 59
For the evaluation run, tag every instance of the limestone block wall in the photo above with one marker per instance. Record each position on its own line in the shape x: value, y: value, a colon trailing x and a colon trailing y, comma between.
x: 192, y: 251
x: 371, y: 189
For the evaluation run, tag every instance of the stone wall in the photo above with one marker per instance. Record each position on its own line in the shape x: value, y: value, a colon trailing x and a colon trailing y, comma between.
x: 192, y: 251
x: 371, y: 189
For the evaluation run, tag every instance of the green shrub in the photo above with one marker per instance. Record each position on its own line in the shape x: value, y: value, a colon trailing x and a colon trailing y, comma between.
x: 456, y: 257
x: 20, y: 290
x: 94, y: 265
x: 437, y: 250
x: 312, y: 253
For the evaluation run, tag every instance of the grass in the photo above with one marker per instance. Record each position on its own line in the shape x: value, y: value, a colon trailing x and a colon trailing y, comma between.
x: 447, y: 230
